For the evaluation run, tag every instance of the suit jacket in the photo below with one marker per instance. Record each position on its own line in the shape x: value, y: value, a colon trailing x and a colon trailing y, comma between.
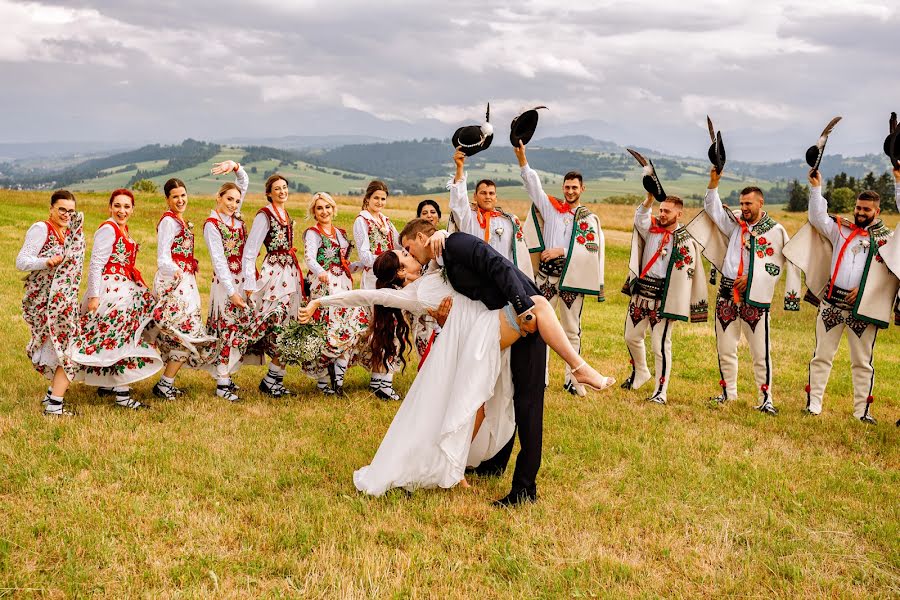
x: 479, y: 272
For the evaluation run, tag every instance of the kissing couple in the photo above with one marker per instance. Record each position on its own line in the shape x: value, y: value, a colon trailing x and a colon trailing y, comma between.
x: 484, y: 376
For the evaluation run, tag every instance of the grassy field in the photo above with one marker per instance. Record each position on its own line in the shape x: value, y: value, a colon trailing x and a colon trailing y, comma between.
x: 202, y: 498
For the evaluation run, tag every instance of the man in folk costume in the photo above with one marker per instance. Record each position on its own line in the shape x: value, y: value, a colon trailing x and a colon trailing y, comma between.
x: 500, y: 229
x: 746, y: 248
x: 847, y: 266
x: 568, y: 238
x: 667, y: 284
x: 53, y: 255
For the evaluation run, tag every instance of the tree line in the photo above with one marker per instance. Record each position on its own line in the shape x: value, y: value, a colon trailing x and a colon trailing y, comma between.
x: 841, y: 192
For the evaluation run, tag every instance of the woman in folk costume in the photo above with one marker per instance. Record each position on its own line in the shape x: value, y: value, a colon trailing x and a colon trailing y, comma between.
x: 117, y: 308
x: 53, y: 255
x: 426, y: 328
x: 277, y: 290
x: 235, y: 323
x: 374, y: 235
x: 182, y: 335
x: 327, y: 253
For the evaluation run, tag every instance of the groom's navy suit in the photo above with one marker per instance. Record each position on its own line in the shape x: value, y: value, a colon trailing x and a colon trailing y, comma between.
x: 477, y: 271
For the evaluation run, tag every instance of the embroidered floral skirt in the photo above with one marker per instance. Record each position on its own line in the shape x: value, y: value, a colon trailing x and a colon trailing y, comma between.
x: 346, y: 329
x: 179, y: 321
x: 238, y: 330
x: 110, y: 343
x: 277, y: 299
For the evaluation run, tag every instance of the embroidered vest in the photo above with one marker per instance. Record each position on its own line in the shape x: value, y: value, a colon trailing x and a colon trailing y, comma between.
x: 279, y: 240
x: 52, y: 245
x: 233, y: 240
x: 123, y: 259
x: 380, y: 241
x: 329, y: 256
x: 182, y: 246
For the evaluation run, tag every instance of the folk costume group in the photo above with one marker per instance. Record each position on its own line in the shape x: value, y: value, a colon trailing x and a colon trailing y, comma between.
x: 483, y: 301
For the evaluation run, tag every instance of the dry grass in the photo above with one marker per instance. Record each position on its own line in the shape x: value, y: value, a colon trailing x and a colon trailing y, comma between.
x: 203, y: 498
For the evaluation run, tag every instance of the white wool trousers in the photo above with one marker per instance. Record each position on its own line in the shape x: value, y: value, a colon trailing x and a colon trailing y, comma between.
x: 733, y: 320
x: 642, y: 316
x: 831, y: 322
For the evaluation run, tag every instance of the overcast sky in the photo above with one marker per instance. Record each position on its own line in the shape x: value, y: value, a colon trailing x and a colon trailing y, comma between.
x: 633, y: 71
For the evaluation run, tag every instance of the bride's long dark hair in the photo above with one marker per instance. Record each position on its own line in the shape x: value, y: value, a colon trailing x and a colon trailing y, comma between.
x: 390, y: 331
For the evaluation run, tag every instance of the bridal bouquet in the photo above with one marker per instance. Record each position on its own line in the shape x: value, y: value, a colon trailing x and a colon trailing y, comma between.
x: 301, y: 342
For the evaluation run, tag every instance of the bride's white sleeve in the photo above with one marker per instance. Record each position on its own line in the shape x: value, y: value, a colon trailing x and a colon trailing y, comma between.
x: 405, y: 299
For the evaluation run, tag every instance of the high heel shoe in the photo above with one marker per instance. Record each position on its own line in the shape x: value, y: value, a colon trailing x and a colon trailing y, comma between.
x: 607, y: 381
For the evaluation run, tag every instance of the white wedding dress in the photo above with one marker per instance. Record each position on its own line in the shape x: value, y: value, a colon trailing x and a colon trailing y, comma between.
x: 429, y: 443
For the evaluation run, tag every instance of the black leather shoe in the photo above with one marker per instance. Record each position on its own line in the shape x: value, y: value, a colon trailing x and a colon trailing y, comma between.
x: 515, y: 498
x: 626, y: 385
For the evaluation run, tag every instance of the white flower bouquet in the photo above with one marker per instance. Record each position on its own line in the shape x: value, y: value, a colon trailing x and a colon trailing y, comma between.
x: 301, y: 342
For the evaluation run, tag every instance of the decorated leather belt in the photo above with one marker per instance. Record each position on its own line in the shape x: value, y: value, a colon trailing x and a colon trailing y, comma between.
x: 838, y: 298
x: 649, y: 287
x: 553, y: 268
x: 726, y: 285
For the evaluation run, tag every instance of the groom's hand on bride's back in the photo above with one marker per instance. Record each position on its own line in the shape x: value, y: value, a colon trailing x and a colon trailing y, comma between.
x: 441, y: 312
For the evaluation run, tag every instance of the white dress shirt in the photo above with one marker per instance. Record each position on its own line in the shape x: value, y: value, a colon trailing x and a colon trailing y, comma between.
x: 466, y: 219
x: 557, y: 231
x: 725, y: 221
x: 855, y: 256
x: 652, y: 243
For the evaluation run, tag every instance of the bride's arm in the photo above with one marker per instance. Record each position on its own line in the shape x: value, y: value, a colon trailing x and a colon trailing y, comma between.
x: 405, y: 299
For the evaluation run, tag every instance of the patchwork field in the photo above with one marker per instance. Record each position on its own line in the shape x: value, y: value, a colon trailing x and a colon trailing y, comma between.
x: 200, y: 497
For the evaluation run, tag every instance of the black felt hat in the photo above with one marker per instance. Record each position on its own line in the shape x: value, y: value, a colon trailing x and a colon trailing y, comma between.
x: 716, y: 151
x: 472, y: 139
x: 523, y: 127
x: 815, y: 153
x: 651, y: 181
x: 892, y: 142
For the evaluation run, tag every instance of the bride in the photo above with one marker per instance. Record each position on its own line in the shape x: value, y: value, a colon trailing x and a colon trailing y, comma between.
x: 459, y: 409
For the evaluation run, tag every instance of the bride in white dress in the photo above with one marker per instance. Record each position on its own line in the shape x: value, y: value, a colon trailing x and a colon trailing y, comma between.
x: 459, y: 409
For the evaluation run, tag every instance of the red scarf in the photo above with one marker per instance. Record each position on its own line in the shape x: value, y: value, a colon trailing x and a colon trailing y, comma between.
x: 667, y: 235
x: 51, y: 228
x: 561, y: 206
x: 745, y: 229
x: 854, y: 231
x: 484, y: 220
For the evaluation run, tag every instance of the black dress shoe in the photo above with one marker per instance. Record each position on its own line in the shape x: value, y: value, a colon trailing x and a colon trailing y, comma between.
x: 515, y: 499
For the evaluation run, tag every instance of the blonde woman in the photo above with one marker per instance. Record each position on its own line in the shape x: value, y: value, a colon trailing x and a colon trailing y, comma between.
x: 327, y: 253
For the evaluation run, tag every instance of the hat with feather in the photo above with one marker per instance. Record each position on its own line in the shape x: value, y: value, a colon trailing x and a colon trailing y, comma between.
x: 815, y: 153
x: 472, y: 139
x: 650, y: 180
x: 716, y: 150
x: 523, y: 126
x: 892, y: 142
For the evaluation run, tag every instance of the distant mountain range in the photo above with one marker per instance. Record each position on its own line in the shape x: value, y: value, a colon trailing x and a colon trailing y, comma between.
x: 413, y: 165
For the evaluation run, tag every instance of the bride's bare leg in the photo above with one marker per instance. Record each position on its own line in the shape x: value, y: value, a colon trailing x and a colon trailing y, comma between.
x: 479, y: 419
x: 552, y: 333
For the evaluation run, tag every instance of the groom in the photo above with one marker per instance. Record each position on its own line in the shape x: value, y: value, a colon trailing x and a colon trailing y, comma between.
x: 479, y: 272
